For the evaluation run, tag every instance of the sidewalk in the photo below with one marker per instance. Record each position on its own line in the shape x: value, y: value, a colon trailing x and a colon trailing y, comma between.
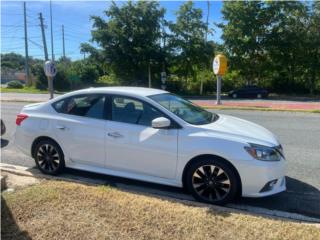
x: 261, y: 104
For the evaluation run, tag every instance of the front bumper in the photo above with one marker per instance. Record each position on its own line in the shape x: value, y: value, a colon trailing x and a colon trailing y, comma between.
x: 255, y: 176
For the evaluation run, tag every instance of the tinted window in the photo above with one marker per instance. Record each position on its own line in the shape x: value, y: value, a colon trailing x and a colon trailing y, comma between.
x: 133, y: 111
x: 58, y: 106
x: 84, y: 105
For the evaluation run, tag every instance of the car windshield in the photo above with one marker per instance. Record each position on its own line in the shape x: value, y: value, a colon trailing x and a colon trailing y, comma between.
x: 185, y: 109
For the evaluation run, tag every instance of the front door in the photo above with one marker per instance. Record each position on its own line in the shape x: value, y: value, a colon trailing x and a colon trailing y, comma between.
x: 134, y: 146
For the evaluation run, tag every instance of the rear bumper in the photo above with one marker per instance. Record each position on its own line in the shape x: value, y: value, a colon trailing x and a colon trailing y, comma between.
x: 255, y: 176
x: 22, y: 140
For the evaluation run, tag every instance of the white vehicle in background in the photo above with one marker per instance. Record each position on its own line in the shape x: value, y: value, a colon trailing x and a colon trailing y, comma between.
x: 152, y: 135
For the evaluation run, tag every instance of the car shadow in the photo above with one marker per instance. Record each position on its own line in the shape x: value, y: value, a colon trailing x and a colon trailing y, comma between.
x: 4, y: 142
x: 300, y: 197
x: 9, y: 227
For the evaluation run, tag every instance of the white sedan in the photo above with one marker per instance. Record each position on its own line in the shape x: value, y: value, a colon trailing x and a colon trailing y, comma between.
x: 155, y: 136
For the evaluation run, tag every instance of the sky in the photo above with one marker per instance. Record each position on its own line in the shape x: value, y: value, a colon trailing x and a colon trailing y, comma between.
x: 75, y: 16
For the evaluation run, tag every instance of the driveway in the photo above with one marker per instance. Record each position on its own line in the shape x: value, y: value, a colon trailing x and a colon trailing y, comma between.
x: 298, y: 132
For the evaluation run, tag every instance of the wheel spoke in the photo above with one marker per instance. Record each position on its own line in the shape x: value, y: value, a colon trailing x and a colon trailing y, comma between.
x: 201, y: 173
x: 207, y: 171
x: 215, y: 171
x: 218, y: 196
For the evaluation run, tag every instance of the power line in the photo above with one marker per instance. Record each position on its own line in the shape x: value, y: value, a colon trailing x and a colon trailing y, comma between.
x: 35, y: 43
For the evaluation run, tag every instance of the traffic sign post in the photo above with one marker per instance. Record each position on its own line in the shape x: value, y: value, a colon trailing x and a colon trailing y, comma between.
x: 163, y: 80
x: 50, y: 71
x: 219, y: 68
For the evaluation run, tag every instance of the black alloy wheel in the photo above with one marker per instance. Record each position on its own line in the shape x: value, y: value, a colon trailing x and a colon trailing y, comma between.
x: 49, y: 157
x: 212, y: 181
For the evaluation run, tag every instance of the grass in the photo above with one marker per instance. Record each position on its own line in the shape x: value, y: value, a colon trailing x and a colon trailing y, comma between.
x: 64, y: 210
x: 22, y: 90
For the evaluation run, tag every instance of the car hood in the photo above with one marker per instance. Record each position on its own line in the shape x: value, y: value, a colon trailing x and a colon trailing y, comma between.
x: 241, y: 130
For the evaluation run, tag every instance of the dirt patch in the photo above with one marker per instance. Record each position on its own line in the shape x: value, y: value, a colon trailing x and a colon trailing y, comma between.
x: 64, y: 210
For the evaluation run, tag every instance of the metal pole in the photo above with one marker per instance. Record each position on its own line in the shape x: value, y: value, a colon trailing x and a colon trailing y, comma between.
x: 218, y: 90
x: 63, y: 48
x: 149, y: 70
x: 50, y: 86
x: 43, y: 38
x: 26, y: 45
x: 52, y: 54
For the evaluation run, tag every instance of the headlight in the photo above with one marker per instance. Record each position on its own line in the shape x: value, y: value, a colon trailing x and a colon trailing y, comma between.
x: 263, y: 153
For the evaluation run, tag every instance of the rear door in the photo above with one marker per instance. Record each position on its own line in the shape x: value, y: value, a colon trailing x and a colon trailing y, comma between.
x: 133, y: 145
x: 80, y: 128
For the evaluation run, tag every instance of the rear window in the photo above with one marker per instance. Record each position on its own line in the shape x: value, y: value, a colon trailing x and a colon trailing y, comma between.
x: 92, y: 106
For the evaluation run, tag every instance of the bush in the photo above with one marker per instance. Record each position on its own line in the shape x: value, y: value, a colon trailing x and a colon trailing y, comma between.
x: 108, y: 80
x: 14, y: 84
x: 232, y: 80
x: 175, y: 84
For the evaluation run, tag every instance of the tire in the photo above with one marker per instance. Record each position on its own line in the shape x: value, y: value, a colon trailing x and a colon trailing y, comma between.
x: 3, y: 128
x: 259, y: 95
x: 234, y: 95
x: 220, y: 188
x: 49, y: 157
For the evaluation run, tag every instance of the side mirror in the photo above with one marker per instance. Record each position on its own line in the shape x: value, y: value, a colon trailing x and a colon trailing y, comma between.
x: 161, y: 122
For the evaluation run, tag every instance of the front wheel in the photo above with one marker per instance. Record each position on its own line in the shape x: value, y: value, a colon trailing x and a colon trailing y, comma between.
x: 49, y: 157
x: 212, y: 181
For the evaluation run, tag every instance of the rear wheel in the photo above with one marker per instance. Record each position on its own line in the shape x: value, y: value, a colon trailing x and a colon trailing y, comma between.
x: 49, y: 157
x: 212, y: 181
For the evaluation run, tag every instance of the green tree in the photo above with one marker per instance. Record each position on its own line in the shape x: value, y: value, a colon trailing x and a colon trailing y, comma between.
x: 244, y: 37
x: 129, y: 39
x: 312, y: 49
x: 286, y: 44
x: 191, y: 53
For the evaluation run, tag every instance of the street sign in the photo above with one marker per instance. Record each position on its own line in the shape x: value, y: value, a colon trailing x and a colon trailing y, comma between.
x: 219, y: 68
x: 50, y: 69
x: 220, y: 65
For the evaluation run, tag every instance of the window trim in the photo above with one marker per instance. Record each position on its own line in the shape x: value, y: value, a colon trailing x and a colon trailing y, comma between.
x: 67, y: 99
x: 174, y: 124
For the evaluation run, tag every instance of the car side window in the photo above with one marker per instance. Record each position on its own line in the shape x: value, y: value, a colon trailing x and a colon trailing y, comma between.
x: 58, y: 106
x: 91, y: 106
x: 133, y: 111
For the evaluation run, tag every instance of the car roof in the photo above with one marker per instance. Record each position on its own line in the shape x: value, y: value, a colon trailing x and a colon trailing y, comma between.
x: 130, y: 91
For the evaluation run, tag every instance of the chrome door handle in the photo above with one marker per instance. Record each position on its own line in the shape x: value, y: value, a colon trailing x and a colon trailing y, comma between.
x: 115, y: 135
x: 61, y: 127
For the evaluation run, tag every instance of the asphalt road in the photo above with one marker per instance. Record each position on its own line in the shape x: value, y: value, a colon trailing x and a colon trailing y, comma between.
x: 299, y: 134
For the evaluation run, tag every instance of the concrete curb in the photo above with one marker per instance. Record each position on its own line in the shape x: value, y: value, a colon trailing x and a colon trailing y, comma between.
x: 3, y: 182
x: 242, y: 209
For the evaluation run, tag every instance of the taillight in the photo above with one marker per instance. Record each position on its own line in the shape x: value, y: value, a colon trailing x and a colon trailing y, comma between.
x: 20, y: 118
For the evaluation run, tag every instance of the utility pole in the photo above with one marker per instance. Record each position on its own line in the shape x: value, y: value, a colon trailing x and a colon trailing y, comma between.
x: 50, y: 80
x: 26, y: 45
x: 52, y: 54
x: 63, y: 48
x: 43, y: 38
